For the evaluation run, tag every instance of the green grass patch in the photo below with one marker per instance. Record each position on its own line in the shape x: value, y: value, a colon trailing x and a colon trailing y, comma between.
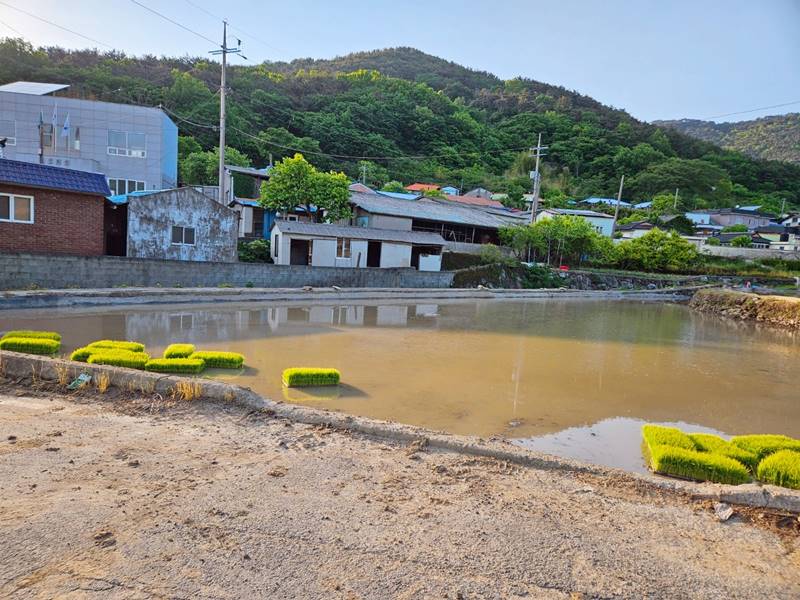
x: 220, y: 360
x: 118, y: 345
x: 657, y: 435
x: 302, y: 376
x: 119, y: 358
x: 82, y: 354
x: 191, y: 366
x: 700, y: 466
x: 42, y: 346
x: 26, y: 333
x: 764, y: 445
x: 781, y: 468
x: 179, y: 351
x: 714, y: 444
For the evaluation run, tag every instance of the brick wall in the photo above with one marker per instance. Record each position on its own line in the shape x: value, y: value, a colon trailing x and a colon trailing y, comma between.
x: 20, y: 271
x: 63, y: 223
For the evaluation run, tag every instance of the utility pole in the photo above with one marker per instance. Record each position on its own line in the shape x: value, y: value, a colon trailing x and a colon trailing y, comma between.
x: 675, y: 202
x: 616, y: 208
x: 536, y: 177
x: 223, y: 51
x: 363, y: 174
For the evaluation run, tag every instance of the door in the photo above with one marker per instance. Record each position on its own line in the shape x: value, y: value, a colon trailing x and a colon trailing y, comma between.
x: 373, y: 254
x: 300, y: 252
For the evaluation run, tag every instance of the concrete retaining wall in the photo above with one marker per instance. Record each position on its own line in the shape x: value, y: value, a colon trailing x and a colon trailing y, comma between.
x: 749, y: 253
x: 20, y: 271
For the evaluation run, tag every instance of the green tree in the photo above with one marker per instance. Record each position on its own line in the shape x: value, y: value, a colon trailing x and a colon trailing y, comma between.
x: 295, y: 183
x: 657, y: 251
x: 735, y: 228
x: 202, y: 168
x: 742, y: 241
x: 393, y: 186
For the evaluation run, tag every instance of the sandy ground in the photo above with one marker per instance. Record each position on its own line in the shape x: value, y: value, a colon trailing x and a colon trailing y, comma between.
x: 137, y: 499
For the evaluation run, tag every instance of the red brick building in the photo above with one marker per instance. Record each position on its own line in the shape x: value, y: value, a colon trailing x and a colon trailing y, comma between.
x: 50, y: 210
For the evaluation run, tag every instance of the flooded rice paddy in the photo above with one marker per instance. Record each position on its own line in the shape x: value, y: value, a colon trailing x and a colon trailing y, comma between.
x: 571, y: 377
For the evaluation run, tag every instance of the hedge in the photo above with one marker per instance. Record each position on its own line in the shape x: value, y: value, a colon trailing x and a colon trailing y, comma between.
x: 82, y: 354
x: 701, y: 466
x: 44, y: 346
x: 175, y: 365
x: 657, y: 435
x: 118, y: 345
x: 220, y: 360
x: 298, y: 377
x: 714, y: 444
x: 25, y: 333
x: 179, y: 351
x: 119, y: 358
x: 781, y: 468
x: 764, y: 445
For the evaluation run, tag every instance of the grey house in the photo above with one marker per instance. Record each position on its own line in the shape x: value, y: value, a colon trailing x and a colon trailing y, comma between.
x: 178, y: 224
x: 136, y: 147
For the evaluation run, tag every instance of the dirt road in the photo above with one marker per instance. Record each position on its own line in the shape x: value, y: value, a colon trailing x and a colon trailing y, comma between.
x: 134, y: 500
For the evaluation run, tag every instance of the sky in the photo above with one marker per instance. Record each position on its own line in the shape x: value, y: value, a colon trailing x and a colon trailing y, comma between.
x: 668, y: 59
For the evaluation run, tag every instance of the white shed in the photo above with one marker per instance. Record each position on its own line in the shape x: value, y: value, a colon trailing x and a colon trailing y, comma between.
x: 324, y: 245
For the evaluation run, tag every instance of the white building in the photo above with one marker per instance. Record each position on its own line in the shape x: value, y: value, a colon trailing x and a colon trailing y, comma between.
x: 602, y: 223
x: 323, y: 245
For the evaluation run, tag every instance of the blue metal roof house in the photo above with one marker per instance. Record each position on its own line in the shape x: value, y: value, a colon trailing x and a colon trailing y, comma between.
x: 609, y: 201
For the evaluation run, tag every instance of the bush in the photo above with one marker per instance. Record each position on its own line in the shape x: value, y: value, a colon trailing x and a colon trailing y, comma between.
x: 119, y: 358
x: 254, y: 251
x: 764, y: 445
x: 742, y: 241
x: 43, y: 346
x: 220, y: 360
x: 781, y: 468
x: 735, y: 228
x: 656, y: 435
x: 118, y: 345
x: 657, y: 251
x: 175, y: 365
x: 700, y: 466
x: 714, y: 444
x: 491, y: 254
x: 178, y: 350
x: 712, y: 241
x: 24, y: 333
x: 535, y: 277
x: 302, y: 376
x: 82, y: 354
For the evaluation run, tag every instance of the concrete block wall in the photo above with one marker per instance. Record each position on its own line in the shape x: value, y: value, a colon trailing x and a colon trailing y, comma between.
x: 21, y: 271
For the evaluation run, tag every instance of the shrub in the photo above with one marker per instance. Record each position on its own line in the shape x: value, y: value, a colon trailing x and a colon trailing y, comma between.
x: 656, y: 435
x: 714, y: 444
x: 781, y: 468
x: 118, y: 345
x: 764, y: 445
x: 24, y: 333
x: 43, y: 346
x: 175, y: 365
x: 701, y: 466
x: 82, y: 354
x: 302, y: 376
x: 712, y: 241
x: 179, y: 351
x: 742, y: 241
x: 256, y: 251
x: 119, y: 358
x: 219, y: 360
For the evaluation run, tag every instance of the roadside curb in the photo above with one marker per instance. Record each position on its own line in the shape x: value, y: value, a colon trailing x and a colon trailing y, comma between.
x: 16, y: 365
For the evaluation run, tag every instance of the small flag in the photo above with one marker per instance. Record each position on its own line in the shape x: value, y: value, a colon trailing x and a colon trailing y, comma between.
x: 65, y: 128
x: 41, y: 118
x: 54, y: 120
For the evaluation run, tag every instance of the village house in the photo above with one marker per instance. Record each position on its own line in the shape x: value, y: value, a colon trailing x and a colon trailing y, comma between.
x: 634, y: 230
x: 449, y: 190
x: 725, y: 217
x: 422, y: 187
x: 602, y: 223
x: 780, y: 237
x: 756, y: 240
x: 52, y: 210
x: 594, y: 201
x: 176, y: 224
x: 326, y: 245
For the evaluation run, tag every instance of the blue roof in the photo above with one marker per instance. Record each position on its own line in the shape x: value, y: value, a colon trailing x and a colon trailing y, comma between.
x: 611, y: 201
x: 643, y: 205
x: 399, y: 195
x: 123, y: 198
x: 52, y: 178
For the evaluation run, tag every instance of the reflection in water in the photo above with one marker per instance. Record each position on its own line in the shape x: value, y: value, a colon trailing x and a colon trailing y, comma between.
x: 475, y: 367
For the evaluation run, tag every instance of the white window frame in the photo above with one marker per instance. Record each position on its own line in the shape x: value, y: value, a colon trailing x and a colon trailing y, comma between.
x: 12, y: 198
x: 183, y: 229
x: 126, y: 151
x: 344, y: 247
x: 131, y: 185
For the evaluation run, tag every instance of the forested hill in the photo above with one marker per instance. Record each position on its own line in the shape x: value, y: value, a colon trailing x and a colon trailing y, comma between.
x: 406, y: 115
x: 771, y: 138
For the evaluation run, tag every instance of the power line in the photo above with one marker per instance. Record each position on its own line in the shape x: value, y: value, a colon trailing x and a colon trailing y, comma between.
x: 182, y: 26
x: 239, y: 29
x: 38, y: 18
x: 752, y: 110
x: 17, y: 31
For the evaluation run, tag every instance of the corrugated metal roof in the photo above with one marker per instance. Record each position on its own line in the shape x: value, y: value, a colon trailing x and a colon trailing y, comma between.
x: 397, y: 195
x: 430, y: 210
x: 32, y: 87
x: 360, y: 233
x: 610, y: 201
x: 53, y: 178
x: 578, y: 213
x: 474, y: 200
x: 120, y: 199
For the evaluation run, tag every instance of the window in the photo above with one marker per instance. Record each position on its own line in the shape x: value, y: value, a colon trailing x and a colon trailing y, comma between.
x: 291, y: 217
x: 48, y: 139
x: 276, y: 245
x: 342, y: 247
x: 124, y: 143
x: 125, y: 186
x: 8, y: 130
x: 16, y: 209
x: 76, y: 139
x: 183, y: 236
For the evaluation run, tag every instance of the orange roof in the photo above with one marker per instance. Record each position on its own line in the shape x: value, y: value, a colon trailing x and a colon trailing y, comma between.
x: 475, y: 201
x: 422, y: 187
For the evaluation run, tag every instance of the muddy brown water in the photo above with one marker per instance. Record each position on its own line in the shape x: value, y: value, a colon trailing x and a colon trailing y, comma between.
x: 572, y: 377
